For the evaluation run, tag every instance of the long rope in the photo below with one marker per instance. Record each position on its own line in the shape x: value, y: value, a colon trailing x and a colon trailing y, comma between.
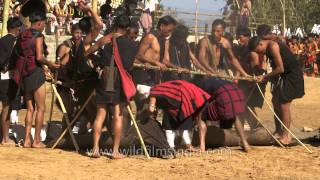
x: 277, y: 117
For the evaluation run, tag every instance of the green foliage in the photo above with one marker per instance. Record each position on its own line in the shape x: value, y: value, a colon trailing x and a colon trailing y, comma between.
x: 299, y: 13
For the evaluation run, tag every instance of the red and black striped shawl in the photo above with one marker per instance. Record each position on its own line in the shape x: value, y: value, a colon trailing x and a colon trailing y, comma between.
x: 182, y: 99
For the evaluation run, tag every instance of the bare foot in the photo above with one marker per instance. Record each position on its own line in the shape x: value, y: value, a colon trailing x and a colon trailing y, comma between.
x: 8, y: 143
x: 276, y: 134
x: 285, y: 141
x: 202, y: 150
x: 117, y: 156
x: 27, y: 145
x: 95, y: 153
x: 38, y: 145
x: 246, y: 147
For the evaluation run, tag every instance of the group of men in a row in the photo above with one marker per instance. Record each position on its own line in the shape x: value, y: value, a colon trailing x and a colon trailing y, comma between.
x: 186, y: 100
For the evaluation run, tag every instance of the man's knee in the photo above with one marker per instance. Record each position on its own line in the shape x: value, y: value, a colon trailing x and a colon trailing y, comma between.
x: 285, y: 107
x: 202, y: 124
x: 30, y: 109
x: 117, y: 118
x: 5, y: 107
x: 41, y: 108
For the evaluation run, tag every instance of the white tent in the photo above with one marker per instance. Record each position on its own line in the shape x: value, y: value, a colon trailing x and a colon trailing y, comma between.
x: 299, y: 32
x: 287, y: 32
x: 276, y: 30
x: 316, y: 29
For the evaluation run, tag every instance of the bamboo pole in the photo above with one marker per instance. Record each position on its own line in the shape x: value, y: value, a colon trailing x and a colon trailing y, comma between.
x: 95, y: 6
x: 138, y: 131
x: 283, y: 5
x: 73, y: 120
x: 238, y: 4
x: 206, y: 29
x: 53, y: 97
x: 149, y: 67
x: 65, y: 114
x: 196, y: 25
x: 269, y: 132
x: 5, y: 17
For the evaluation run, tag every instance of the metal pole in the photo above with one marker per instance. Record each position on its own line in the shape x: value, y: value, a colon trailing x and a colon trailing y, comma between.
x: 5, y: 17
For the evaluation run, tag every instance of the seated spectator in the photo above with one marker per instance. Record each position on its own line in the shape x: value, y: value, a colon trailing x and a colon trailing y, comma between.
x: 61, y: 13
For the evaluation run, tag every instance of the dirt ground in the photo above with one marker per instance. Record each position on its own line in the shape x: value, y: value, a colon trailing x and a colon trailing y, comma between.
x: 226, y: 163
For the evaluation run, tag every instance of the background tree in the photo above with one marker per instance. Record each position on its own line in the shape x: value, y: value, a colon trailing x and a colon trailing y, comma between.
x: 299, y: 13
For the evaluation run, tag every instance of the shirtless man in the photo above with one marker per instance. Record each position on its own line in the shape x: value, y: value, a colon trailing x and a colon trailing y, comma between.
x: 178, y: 53
x: 152, y: 47
x: 211, y: 54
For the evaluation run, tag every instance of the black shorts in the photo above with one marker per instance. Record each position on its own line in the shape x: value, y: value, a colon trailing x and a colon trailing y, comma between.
x: 8, y: 90
x: 288, y: 87
x: 33, y: 81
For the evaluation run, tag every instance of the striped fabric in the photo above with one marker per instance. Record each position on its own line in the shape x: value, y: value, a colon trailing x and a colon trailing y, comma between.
x: 228, y: 101
x: 180, y: 98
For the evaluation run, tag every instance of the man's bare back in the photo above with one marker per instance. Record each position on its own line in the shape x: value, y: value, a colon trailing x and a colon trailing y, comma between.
x: 149, y: 51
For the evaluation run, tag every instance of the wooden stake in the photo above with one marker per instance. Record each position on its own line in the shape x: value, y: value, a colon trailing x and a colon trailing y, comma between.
x: 73, y: 120
x: 53, y: 97
x: 5, y: 17
x: 65, y: 114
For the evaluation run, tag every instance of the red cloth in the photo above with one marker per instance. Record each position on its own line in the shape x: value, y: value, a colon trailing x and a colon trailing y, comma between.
x: 128, y: 86
x: 26, y: 58
x: 228, y: 101
x: 180, y: 98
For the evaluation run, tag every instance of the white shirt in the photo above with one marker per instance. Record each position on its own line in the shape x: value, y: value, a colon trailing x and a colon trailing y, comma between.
x: 151, y: 4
